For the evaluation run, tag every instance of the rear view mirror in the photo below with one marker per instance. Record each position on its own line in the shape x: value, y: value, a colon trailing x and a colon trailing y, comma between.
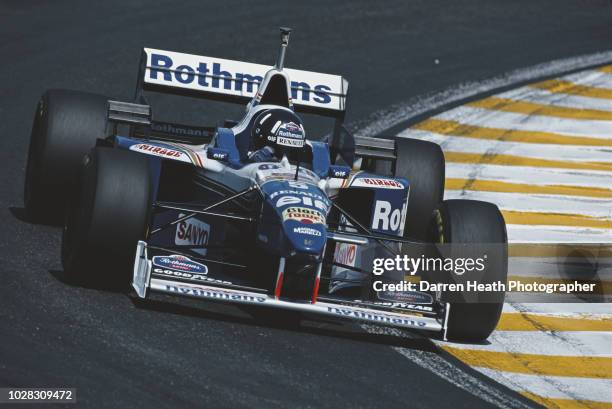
x: 343, y: 145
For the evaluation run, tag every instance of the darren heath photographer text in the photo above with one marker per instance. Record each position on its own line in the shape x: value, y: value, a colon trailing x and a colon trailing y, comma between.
x: 511, y: 285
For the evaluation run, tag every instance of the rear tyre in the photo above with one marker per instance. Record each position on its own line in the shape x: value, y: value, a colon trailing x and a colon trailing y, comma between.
x: 109, y: 213
x: 481, y: 223
x: 65, y: 127
x: 422, y: 164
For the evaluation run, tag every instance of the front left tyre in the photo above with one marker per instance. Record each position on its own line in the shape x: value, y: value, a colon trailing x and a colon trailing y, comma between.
x: 107, y: 216
x: 471, y: 229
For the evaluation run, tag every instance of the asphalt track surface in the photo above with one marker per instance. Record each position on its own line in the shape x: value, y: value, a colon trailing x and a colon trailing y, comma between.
x: 118, y: 353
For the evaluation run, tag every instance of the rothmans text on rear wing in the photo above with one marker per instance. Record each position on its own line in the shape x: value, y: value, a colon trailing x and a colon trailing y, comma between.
x: 236, y: 81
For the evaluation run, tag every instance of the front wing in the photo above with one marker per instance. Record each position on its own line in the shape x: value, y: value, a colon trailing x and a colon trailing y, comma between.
x: 144, y: 283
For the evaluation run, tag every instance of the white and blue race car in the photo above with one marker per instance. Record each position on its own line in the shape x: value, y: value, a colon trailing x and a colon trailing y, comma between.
x: 252, y: 211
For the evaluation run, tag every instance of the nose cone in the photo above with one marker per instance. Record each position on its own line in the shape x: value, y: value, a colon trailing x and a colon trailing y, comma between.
x: 305, y: 235
x: 302, y: 210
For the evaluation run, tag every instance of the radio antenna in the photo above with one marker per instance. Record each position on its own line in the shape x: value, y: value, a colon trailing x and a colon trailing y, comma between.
x: 280, y: 62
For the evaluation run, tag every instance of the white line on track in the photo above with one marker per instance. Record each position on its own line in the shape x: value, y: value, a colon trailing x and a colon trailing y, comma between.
x: 582, y: 310
x: 558, y: 343
x: 466, y: 144
x: 522, y: 202
x: 555, y: 387
x: 541, y: 96
x: 597, y: 79
x: 519, y: 233
x: 526, y: 122
x: 530, y: 175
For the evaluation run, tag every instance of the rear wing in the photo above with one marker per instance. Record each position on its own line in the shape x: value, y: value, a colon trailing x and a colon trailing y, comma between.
x: 236, y: 81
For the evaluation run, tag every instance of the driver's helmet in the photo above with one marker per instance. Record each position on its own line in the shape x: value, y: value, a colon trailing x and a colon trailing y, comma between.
x: 280, y: 129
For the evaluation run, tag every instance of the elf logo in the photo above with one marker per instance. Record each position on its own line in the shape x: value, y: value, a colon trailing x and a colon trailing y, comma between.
x: 387, y: 219
x: 192, y: 232
x: 306, y: 200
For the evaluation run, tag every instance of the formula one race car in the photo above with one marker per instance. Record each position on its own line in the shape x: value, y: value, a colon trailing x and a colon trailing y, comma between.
x: 251, y: 211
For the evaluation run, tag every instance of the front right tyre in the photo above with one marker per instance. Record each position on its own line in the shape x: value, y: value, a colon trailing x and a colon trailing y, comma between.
x: 65, y: 128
